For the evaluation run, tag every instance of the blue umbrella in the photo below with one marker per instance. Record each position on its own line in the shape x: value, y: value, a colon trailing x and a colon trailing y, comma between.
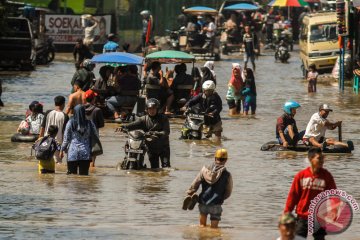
x: 242, y: 6
x: 119, y: 58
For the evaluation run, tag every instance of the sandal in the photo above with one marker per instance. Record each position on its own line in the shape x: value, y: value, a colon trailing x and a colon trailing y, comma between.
x: 186, y: 202
x: 194, y: 200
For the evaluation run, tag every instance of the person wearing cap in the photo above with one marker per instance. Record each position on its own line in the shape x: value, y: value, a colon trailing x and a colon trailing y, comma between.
x: 210, y: 103
x: 307, y: 184
x: 157, y: 126
x: 93, y: 114
x: 111, y: 45
x: 287, y: 227
x: 317, y: 126
x: 57, y: 118
x: 216, y: 186
x: 76, y: 98
x: 85, y: 75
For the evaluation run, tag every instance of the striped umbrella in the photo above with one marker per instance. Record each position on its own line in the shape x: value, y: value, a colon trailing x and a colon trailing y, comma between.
x: 289, y: 3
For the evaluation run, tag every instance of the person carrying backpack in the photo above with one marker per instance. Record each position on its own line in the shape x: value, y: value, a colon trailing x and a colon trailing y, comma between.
x: 45, y: 149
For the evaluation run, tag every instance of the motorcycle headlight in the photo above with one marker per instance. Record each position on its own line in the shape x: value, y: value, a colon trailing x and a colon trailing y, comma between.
x: 134, y: 144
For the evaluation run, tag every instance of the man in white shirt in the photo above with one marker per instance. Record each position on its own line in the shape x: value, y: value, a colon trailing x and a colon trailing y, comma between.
x: 317, y: 126
x: 209, y: 30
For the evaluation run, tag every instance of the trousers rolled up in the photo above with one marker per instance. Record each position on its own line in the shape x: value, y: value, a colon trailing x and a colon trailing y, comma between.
x: 115, y: 102
x: 292, y: 141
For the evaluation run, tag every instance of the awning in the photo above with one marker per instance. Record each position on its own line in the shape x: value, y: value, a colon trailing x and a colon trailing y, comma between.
x: 242, y: 6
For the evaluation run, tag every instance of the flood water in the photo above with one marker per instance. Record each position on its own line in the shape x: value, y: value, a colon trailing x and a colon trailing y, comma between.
x: 112, y: 204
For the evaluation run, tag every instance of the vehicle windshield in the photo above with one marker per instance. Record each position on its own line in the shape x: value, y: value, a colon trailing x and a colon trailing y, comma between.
x: 323, y: 32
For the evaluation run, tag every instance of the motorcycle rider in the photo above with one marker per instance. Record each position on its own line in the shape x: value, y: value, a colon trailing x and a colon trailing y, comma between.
x: 286, y: 129
x: 211, y: 104
x: 85, y: 75
x: 157, y: 126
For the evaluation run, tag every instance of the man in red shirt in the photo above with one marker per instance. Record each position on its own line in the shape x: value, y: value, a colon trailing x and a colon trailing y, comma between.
x: 307, y: 184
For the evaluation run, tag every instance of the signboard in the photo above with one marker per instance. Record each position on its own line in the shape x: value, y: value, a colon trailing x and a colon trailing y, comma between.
x: 65, y: 29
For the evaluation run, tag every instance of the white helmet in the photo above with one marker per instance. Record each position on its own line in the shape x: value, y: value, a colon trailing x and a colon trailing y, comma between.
x: 208, y: 85
x: 145, y: 13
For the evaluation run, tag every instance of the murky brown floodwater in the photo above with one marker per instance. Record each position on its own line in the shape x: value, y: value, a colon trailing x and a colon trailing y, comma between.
x: 111, y: 204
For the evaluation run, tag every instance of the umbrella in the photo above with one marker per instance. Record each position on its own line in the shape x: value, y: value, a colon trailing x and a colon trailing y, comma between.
x: 200, y: 10
x: 289, y: 3
x: 118, y: 58
x: 170, y: 56
x: 242, y: 6
x: 271, y: 3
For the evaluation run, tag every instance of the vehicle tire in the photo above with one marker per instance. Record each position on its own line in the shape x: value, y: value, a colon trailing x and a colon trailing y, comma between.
x: 27, y: 67
x: 50, y: 56
x: 132, y: 165
x: 124, y: 164
x: 217, y: 57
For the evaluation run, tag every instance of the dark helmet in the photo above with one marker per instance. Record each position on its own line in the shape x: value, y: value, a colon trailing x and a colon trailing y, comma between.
x: 152, y: 102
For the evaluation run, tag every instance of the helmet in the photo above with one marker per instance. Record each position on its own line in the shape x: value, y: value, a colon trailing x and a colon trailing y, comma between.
x: 88, y: 64
x: 289, y: 105
x: 152, y: 102
x: 221, y: 153
x: 145, y: 13
x: 208, y: 85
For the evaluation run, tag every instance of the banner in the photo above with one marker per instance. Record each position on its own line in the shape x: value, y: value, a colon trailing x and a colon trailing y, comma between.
x: 66, y: 29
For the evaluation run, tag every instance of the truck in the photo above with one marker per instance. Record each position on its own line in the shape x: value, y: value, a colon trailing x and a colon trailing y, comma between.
x: 17, y: 44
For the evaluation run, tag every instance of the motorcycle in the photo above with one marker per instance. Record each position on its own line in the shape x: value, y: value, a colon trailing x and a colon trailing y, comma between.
x: 193, y: 125
x: 135, y: 150
x: 174, y: 38
x: 282, y: 53
x: 45, y: 53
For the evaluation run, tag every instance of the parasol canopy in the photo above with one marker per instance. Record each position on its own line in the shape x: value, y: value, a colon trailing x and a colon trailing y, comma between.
x: 242, y: 6
x: 200, y: 10
x: 170, y: 56
x: 118, y: 58
x: 289, y: 3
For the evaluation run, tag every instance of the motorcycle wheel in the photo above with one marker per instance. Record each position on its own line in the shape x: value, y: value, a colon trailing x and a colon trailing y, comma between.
x: 124, y: 165
x: 50, y: 56
x: 132, y: 165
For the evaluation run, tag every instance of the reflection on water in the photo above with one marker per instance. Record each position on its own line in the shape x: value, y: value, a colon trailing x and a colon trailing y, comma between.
x: 112, y: 204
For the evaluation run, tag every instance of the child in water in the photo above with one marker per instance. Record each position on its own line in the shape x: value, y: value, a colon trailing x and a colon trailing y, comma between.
x: 249, y: 92
x: 312, y: 78
x: 48, y: 166
x: 216, y: 186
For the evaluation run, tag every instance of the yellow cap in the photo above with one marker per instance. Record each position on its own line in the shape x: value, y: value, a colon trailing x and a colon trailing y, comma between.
x: 221, y: 153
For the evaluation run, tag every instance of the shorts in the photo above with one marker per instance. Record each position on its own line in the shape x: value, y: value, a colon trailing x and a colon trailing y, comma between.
x: 217, y: 127
x: 214, y: 211
x: 247, y: 106
x: 251, y: 56
x: 234, y: 104
x: 47, y: 166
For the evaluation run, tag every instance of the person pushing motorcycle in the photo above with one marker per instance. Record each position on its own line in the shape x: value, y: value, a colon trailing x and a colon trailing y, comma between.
x: 211, y: 104
x: 157, y: 126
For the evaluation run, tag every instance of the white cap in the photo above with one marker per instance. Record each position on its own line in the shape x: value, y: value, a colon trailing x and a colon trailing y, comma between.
x: 325, y: 107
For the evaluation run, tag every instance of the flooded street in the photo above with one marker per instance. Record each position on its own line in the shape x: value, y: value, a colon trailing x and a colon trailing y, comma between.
x: 112, y: 204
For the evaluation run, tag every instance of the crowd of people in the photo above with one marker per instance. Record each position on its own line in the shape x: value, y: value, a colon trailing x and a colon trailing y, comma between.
x: 70, y: 128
